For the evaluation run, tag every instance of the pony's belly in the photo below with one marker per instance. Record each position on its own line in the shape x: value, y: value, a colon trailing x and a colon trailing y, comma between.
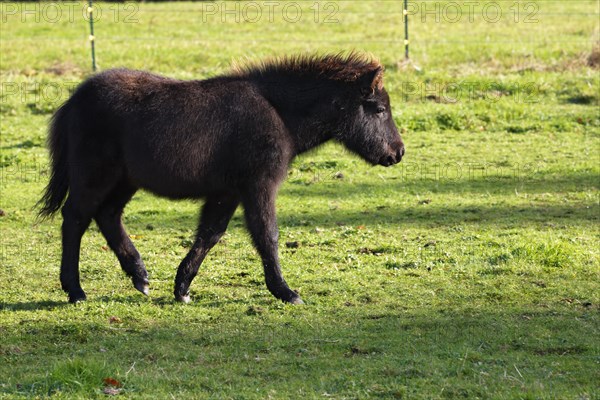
x: 177, y: 185
x: 170, y: 187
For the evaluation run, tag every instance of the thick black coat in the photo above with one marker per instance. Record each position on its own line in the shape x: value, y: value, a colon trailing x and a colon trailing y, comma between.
x: 228, y: 140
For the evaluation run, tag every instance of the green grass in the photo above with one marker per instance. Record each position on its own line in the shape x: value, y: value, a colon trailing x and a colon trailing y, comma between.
x: 470, y: 270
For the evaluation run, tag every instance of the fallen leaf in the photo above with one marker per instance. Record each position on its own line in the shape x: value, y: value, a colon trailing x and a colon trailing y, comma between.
x: 114, y: 320
x: 111, y: 382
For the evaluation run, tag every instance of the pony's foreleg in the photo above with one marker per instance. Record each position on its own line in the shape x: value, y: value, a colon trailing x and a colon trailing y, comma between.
x: 215, y: 217
x: 259, y: 209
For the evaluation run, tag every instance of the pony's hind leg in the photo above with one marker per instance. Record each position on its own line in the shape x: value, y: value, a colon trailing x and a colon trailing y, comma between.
x: 75, y: 223
x: 89, y: 186
x: 109, y: 221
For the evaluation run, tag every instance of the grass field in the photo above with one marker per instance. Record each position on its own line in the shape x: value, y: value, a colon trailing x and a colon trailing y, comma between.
x: 470, y: 270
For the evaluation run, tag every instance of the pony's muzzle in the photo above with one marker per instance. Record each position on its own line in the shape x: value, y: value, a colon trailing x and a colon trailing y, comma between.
x: 394, y: 157
x: 400, y: 154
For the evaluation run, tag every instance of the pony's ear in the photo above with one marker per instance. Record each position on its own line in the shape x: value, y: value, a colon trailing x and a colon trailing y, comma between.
x: 371, y: 81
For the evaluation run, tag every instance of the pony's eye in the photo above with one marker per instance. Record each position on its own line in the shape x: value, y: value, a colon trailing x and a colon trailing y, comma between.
x: 380, y: 109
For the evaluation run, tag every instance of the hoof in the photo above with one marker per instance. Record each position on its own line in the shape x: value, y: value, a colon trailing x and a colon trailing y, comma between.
x: 142, y: 286
x: 76, y: 297
x: 286, y: 295
x: 183, y: 299
x: 292, y: 298
x: 297, y: 301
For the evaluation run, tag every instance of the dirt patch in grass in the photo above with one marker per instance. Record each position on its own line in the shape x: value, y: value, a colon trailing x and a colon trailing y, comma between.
x: 586, y: 59
x: 593, y: 59
x: 63, y: 68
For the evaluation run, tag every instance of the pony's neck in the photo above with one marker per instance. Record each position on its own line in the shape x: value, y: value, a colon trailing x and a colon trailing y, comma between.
x: 297, y: 102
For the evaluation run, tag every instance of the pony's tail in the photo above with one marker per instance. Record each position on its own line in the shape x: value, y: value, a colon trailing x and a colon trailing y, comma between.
x: 56, y: 191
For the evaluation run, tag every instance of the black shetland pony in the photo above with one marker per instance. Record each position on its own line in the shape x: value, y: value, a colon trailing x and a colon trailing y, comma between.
x: 228, y: 139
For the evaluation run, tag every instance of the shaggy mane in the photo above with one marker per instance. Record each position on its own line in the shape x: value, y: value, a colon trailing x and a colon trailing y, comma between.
x: 339, y: 67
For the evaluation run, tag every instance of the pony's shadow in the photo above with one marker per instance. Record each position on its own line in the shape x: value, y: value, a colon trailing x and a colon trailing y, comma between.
x: 32, y: 305
x: 136, y: 298
x: 50, y: 305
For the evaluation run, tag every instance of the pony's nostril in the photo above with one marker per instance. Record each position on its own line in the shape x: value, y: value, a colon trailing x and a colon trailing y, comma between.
x: 390, y: 160
x: 399, y: 154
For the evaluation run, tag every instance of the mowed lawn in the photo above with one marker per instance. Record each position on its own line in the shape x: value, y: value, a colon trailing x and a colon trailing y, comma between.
x: 470, y: 270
